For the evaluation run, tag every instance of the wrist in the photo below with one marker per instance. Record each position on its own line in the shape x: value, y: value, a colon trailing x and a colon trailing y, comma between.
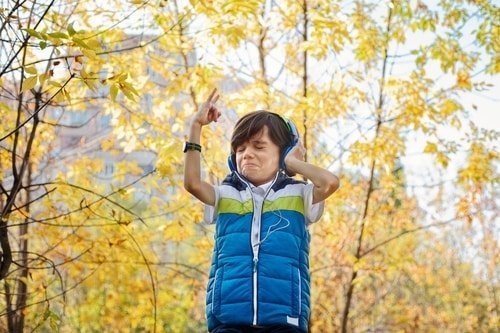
x: 292, y: 165
x: 191, y: 146
x: 196, y: 125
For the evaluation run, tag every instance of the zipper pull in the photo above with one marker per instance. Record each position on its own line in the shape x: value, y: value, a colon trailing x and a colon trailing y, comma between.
x: 255, y: 260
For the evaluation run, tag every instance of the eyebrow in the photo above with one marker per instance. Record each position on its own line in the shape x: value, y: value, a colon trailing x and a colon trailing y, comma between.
x: 260, y: 142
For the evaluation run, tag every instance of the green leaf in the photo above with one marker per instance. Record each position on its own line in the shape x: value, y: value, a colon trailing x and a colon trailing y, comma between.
x: 58, y: 35
x: 71, y: 30
x: 80, y: 42
x: 54, y: 321
x: 113, y: 92
x: 29, y: 83
x: 46, y: 314
x: 43, y: 44
x: 53, y: 324
x: 34, y: 33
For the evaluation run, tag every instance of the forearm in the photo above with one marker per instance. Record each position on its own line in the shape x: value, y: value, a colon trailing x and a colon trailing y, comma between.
x: 192, y: 159
x: 324, y: 181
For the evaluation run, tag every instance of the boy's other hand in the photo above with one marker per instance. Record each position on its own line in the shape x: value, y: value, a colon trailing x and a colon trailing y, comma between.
x: 297, y: 153
x: 208, y: 112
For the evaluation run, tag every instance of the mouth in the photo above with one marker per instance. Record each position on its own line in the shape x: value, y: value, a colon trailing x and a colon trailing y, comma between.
x: 246, y: 165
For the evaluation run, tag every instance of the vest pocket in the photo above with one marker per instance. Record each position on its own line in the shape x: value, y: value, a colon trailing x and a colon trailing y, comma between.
x: 296, y: 291
x: 216, y: 294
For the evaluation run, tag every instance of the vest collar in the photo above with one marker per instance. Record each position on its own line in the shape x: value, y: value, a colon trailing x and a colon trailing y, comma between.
x: 239, y: 181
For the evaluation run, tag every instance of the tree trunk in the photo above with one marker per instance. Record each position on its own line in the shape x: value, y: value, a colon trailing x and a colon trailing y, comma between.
x: 359, y: 245
x: 22, y: 287
x: 304, y: 75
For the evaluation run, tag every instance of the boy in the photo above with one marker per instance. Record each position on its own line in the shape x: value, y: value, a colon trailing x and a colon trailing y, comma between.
x: 259, y: 278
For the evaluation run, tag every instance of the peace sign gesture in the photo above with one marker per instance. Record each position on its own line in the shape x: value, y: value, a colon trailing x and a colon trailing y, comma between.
x: 208, y: 112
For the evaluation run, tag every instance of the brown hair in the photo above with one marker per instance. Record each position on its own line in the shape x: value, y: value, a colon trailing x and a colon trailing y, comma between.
x: 253, y: 122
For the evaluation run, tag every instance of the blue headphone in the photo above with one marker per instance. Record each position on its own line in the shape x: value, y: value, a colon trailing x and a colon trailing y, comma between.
x: 231, y: 161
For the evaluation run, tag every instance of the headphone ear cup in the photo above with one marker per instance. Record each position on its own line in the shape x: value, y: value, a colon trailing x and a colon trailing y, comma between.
x: 294, y: 132
x: 231, y: 162
x: 286, y: 150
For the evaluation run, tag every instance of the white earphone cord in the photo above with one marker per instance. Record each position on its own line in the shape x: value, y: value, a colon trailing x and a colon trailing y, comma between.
x: 269, y: 231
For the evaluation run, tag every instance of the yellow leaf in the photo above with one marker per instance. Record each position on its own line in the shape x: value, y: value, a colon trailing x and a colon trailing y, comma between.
x: 93, y: 44
x: 130, y: 88
x: 128, y: 93
x: 29, y: 83
x: 30, y: 70
x: 164, y: 163
x: 5, y: 107
x: 455, y: 122
x: 43, y: 77
x: 443, y: 159
x: 55, y: 84
x: 430, y: 148
x: 66, y: 95
x: 89, y: 53
x: 107, y: 144
x: 449, y: 107
x: 463, y: 80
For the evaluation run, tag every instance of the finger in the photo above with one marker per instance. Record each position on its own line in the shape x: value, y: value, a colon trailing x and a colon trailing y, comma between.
x: 212, y: 113
x: 218, y: 116
x: 212, y: 95
x: 215, y: 99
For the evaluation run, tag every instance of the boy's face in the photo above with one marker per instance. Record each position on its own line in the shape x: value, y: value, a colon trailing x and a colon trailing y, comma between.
x: 258, y: 158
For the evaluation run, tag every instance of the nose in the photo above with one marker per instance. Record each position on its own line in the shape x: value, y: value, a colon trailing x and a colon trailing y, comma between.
x: 247, y: 153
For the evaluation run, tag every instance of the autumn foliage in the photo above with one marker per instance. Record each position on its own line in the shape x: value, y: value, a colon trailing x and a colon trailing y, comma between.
x: 97, y: 233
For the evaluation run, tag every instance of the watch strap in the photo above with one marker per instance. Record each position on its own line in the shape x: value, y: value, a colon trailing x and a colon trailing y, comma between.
x: 192, y: 146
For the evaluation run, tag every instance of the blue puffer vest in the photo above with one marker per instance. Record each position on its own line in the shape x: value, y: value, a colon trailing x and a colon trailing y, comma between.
x: 263, y: 282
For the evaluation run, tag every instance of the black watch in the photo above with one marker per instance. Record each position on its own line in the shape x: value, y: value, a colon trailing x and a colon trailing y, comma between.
x: 191, y: 146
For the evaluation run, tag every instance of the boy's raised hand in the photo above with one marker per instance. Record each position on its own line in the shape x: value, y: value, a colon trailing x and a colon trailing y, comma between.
x: 298, y: 152
x: 208, y: 112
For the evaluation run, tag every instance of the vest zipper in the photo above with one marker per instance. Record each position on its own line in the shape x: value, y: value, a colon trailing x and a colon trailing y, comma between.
x: 255, y: 248
x: 254, y: 277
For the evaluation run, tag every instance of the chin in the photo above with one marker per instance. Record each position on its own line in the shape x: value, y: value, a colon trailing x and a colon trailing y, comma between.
x: 250, y: 176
